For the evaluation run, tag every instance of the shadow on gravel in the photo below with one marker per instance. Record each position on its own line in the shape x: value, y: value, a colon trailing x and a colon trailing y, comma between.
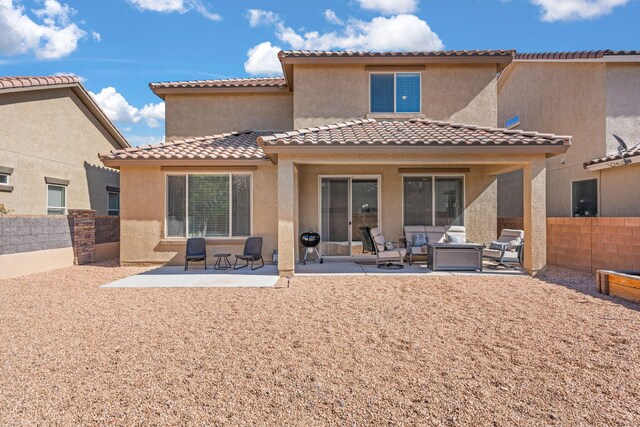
x: 584, y: 283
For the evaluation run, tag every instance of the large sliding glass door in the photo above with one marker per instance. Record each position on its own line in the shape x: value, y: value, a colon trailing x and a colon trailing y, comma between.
x: 346, y: 204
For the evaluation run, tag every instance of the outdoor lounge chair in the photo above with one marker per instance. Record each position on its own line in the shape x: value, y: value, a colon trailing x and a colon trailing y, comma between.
x: 252, y: 252
x: 374, y: 242
x: 196, y: 251
x: 507, y: 249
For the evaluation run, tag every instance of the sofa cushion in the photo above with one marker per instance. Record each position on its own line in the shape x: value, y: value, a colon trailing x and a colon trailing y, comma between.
x: 393, y: 254
x: 419, y: 239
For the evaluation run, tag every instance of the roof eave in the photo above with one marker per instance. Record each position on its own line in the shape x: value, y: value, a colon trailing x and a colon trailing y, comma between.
x: 162, y: 91
x: 592, y: 166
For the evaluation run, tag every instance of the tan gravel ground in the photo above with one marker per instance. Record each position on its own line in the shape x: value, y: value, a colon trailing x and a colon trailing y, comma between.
x: 348, y: 351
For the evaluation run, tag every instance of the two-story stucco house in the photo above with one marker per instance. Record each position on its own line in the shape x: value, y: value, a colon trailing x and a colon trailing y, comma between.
x: 50, y: 132
x: 343, y: 139
x: 593, y: 96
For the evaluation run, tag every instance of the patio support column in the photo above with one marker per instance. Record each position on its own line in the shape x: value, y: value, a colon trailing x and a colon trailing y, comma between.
x: 286, y: 217
x: 535, y: 215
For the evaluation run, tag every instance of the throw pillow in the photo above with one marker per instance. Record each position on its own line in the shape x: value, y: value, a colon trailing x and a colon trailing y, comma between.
x: 497, y: 245
x: 419, y: 239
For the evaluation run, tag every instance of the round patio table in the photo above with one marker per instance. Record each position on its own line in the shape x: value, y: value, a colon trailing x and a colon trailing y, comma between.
x: 222, y: 262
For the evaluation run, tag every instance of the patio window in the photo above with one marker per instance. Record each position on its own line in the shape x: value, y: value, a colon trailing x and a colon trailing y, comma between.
x: 208, y: 205
x: 584, y: 198
x: 395, y: 92
x: 433, y: 200
x: 56, y: 199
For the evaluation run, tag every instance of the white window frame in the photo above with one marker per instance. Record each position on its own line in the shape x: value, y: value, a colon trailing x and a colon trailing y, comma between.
x: 109, y: 193
x: 433, y: 193
x: 186, y: 200
x: 66, y: 190
x: 571, y: 196
x: 395, y: 107
x: 6, y: 175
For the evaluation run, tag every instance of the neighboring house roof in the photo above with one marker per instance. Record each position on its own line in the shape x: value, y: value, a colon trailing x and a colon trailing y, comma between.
x: 253, y: 84
x: 416, y: 54
x: 415, y: 132
x: 226, y: 146
x: 578, y: 55
x: 17, y: 84
x: 613, y: 160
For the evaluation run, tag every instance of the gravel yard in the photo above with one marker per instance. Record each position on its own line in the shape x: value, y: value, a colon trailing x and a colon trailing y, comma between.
x: 480, y: 350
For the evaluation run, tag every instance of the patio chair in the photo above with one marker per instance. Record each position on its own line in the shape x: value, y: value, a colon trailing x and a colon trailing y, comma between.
x: 252, y: 252
x: 507, y: 249
x: 374, y: 242
x: 196, y: 251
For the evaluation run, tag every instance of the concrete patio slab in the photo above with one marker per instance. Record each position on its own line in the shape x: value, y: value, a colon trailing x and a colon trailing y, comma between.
x: 197, y: 277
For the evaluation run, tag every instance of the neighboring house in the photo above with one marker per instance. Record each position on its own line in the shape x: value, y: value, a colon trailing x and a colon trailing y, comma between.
x: 51, y: 130
x: 383, y: 139
x: 591, y: 96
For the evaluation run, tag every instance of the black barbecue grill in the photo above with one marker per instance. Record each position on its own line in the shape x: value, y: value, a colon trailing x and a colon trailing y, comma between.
x: 310, y: 240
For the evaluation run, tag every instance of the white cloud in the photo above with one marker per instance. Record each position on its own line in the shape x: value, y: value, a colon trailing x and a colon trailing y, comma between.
x: 62, y: 73
x: 331, y: 17
x: 390, y: 7
x: 263, y: 60
x: 55, y: 36
x: 179, y: 6
x: 571, y: 10
x: 153, y: 114
x: 261, y: 17
x: 394, y: 33
x: 400, y: 32
x: 118, y: 109
x: 96, y: 36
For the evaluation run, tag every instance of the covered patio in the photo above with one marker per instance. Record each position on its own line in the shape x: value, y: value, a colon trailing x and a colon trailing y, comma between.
x: 387, y: 175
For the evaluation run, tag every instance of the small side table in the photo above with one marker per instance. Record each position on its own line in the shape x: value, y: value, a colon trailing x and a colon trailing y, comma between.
x: 222, y: 262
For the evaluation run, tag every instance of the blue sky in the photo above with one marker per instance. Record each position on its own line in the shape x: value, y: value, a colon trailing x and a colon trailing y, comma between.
x: 119, y: 46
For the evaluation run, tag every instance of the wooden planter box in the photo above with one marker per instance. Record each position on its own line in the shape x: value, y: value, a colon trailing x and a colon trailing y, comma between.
x: 622, y: 284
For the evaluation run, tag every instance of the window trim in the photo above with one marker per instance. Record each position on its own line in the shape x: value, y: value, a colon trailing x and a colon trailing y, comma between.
x: 597, y: 179
x: 109, y: 193
x: 47, y: 207
x: 433, y: 192
x: 395, y: 107
x: 216, y: 238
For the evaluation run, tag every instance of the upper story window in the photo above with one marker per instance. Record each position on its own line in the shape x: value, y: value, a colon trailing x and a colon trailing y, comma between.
x: 4, y: 178
x: 512, y: 122
x: 395, y: 92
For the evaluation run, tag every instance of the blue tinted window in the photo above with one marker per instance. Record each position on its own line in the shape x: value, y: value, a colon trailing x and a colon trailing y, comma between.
x: 408, y: 93
x: 382, y: 93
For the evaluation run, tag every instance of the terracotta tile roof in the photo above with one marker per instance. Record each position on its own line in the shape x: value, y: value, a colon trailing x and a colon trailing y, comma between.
x: 17, y: 82
x: 450, y: 53
x: 226, y: 146
x: 586, y: 54
x: 416, y: 132
x: 277, y: 82
x: 632, y: 152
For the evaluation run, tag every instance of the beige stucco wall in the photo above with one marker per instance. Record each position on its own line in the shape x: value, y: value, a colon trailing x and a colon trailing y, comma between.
x: 623, y: 104
x: 22, y: 264
x: 51, y: 133
x: 210, y: 114
x: 326, y: 94
x: 143, y: 211
x: 480, y: 198
x: 560, y: 98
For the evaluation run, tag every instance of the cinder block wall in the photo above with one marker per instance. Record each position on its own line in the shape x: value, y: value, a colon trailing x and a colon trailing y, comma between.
x: 591, y: 244
x: 35, y: 233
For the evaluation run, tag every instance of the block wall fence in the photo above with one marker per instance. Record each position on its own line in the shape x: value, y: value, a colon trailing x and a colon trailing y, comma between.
x: 589, y: 244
